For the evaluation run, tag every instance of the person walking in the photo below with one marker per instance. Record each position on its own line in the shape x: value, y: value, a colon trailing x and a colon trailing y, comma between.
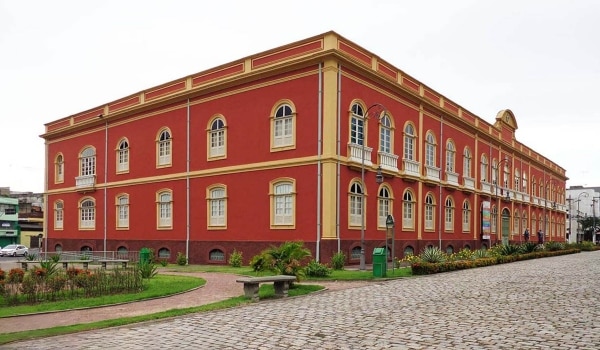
x: 540, y: 237
x: 526, y: 234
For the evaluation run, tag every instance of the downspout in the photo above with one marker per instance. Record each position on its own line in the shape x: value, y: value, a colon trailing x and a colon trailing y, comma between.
x: 187, y: 184
x: 319, y: 151
x: 441, y: 171
x: 337, y: 195
x: 105, y: 177
x: 46, y: 214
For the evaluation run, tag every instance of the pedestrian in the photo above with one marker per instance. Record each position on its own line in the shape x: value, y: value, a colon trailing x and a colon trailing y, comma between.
x: 540, y: 236
x: 526, y: 234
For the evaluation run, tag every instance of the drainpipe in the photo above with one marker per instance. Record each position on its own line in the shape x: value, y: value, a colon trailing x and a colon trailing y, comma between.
x: 187, y: 184
x: 105, y: 177
x: 441, y: 171
x: 337, y: 195
x: 319, y: 170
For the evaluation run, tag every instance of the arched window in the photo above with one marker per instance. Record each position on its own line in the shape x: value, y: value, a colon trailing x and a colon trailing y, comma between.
x: 356, y: 204
x: 466, y: 216
x: 429, y: 212
x: 87, y: 214
x: 283, y: 126
x: 283, y: 203
x: 59, y: 175
x: 450, y: 156
x: 409, y: 250
x: 525, y: 187
x: 385, y: 135
x: 484, y: 172
x: 467, y: 159
x: 217, y: 138
x: 58, y: 215
x: 122, y: 211
x: 430, y: 147
x: 384, y: 203
x: 517, y: 180
x: 408, y: 214
x: 449, y: 217
x: 217, y: 204
x: 87, y: 162
x: 216, y: 255
x: 164, y: 209
x: 357, y: 125
x: 355, y: 253
x: 123, y: 156
x: 164, y: 146
x: 409, y: 142
x: 164, y: 253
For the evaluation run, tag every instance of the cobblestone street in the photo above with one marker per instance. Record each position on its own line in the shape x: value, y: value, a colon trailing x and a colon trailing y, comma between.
x: 549, y: 303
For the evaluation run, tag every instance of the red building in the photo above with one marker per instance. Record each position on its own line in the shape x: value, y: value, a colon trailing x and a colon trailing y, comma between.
x: 287, y: 145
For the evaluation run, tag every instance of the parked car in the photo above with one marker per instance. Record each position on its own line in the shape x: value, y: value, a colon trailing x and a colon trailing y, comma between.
x: 14, y: 250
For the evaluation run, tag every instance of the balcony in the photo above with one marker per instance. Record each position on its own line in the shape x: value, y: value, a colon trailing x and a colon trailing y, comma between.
x: 85, y: 183
x: 452, y: 178
x: 469, y: 183
x: 486, y: 187
x: 412, y: 168
x: 432, y: 174
x: 388, y: 161
x: 356, y: 154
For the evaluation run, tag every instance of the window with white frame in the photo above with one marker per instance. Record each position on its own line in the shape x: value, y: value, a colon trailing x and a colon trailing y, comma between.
x: 506, y: 181
x: 123, y: 156
x: 164, y: 209
x: 449, y: 217
x: 408, y: 208
x: 533, y: 224
x: 450, y: 156
x: 525, y: 182
x: 429, y: 212
x: 516, y: 223
x: 59, y: 169
x: 517, y: 180
x: 87, y: 214
x: 409, y: 142
x: 58, y: 215
x: 217, y: 138
x: 430, y: 150
x: 164, y: 148
x: 123, y: 211
x: 87, y: 162
x: 484, y: 172
x: 217, y: 206
x: 533, y: 187
x: 466, y: 216
x: 283, y: 203
x: 494, y: 172
x: 385, y: 135
x: 384, y: 204
x: 467, y: 159
x: 283, y: 128
x: 356, y: 204
x: 357, y: 125
x: 524, y: 220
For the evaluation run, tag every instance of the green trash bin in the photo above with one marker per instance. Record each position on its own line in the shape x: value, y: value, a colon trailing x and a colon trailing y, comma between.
x: 379, y: 262
x: 144, y: 255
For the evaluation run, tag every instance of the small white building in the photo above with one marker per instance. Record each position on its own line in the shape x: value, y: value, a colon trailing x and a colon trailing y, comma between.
x: 583, y: 202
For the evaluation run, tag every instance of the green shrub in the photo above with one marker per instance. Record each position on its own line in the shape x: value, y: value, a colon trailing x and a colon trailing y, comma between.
x: 147, y: 269
x: 285, y: 260
x: 432, y: 255
x: 554, y: 246
x: 480, y: 254
x: 235, y: 259
x: 163, y: 262
x: 316, y: 269
x: 338, y: 261
x: 528, y: 247
x: 181, y: 259
x: 509, y: 249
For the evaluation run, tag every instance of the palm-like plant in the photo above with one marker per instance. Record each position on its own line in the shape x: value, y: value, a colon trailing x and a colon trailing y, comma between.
x: 433, y: 255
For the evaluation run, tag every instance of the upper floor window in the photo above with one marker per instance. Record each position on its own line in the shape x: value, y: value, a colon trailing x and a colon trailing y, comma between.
x: 58, y: 215
x: 449, y: 217
x: 484, y: 168
x: 429, y: 212
x: 533, y: 189
x: 384, y: 203
x: 164, y: 148
x: 385, y: 135
x: 430, y: 147
x: 466, y: 216
x: 450, y: 156
x: 217, y: 206
x: 123, y: 156
x: 408, y: 210
x: 524, y: 185
x: 283, y: 203
x: 517, y: 180
x: 283, y: 126
x: 59, y: 167
x: 505, y: 181
x: 87, y: 162
x: 467, y: 162
x: 87, y: 214
x: 164, y: 209
x: 494, y: 172
x: 123, y: 211
x: 357, y: 125
x: 355, y: 203
x: 216, y: 138
x: 409, y: 142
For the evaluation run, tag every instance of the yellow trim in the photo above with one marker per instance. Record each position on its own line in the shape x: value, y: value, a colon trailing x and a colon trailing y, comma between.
x: 208, y: 207
x: 272, y: 196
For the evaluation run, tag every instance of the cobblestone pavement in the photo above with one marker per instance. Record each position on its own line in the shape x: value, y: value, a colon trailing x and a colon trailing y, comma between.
x: 550, y: 303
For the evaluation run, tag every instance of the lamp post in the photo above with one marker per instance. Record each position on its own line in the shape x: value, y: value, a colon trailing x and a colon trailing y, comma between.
x: 570, y: 219
x: 594, y: 200
x: 389, y: 224
x: 579, y: 200
x: 379, y: 109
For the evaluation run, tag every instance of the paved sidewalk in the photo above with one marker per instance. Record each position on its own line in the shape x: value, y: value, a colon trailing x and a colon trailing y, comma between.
x: 218, y: 287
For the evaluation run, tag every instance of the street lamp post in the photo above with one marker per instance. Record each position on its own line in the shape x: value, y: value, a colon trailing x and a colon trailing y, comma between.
x: 379, y: 108
x: 570, y: 219
x: 389, y: 224
x: 579, y: 200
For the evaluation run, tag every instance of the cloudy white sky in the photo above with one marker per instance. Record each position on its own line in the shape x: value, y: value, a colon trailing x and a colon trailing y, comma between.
x: 540, y: 59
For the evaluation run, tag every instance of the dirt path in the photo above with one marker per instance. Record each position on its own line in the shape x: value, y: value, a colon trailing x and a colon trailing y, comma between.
x: 218, y: 287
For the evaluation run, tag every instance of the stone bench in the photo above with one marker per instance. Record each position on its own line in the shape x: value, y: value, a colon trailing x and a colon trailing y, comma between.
x: 65, y: 263
x: 281, y: 284
x: 104, y: 262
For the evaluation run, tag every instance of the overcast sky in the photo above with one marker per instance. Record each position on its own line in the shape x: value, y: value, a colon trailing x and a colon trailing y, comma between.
x: 540, y: 59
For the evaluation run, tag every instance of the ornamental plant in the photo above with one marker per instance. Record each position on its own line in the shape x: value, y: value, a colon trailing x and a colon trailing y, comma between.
x: 235, y: 259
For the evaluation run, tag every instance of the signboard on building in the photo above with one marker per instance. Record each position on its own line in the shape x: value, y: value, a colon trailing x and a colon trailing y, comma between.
x: 486, y: 221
